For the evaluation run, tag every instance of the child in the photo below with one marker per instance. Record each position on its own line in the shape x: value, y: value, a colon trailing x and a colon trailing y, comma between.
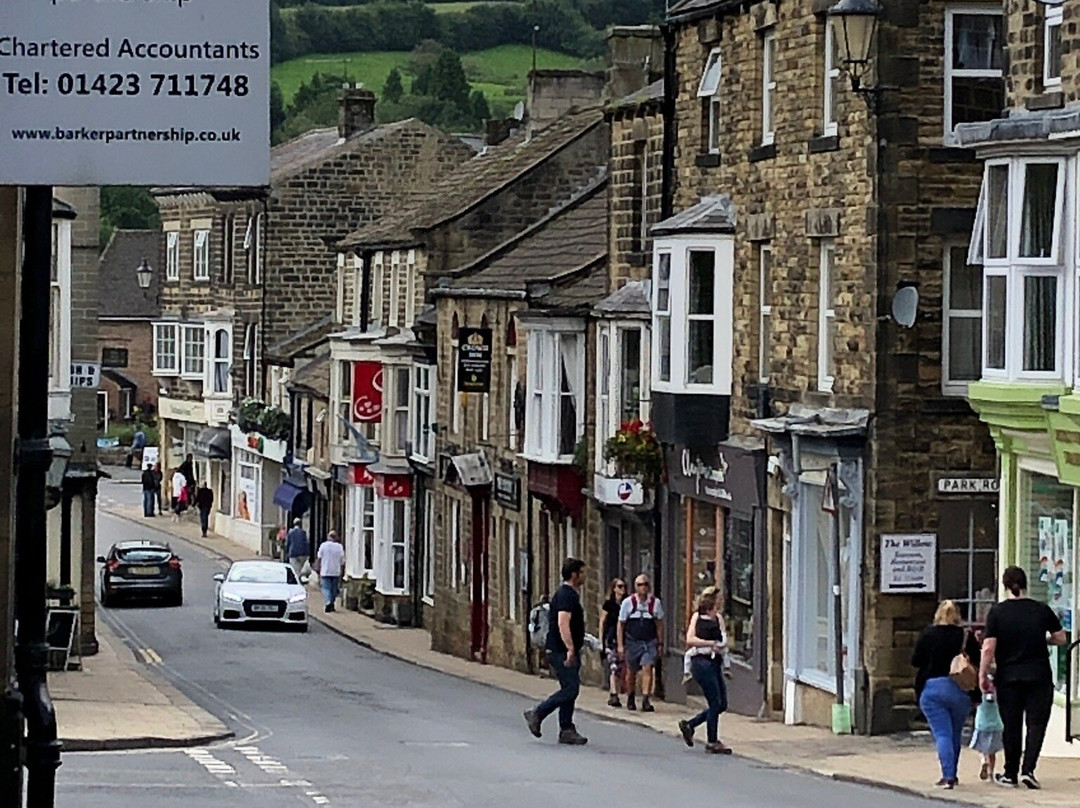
x: 986, y: 739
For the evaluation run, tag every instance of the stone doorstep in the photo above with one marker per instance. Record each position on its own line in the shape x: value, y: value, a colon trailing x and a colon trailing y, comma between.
x: 879, y: 762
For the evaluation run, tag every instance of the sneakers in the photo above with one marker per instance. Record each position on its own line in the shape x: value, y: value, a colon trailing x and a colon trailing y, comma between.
x: 717, y: 748
x: 646, y: 706
x: 631, y: 702
x: 1006, y: 782
x: 687, y: 732
x: 570, y: 737
x: 533, y: 721
x: 1030, y: 781
x: 613, y: 701
x: 947, y: 785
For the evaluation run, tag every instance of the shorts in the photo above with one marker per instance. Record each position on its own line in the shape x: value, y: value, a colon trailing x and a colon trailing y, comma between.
x: 640, y: 653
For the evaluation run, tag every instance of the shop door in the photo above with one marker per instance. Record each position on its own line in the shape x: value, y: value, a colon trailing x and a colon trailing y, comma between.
x: 745, y: 690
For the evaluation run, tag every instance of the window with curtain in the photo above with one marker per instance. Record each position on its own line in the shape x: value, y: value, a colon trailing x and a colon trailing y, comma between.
x: 569, y: 392
x: 172, y: 256
x: 556, y: 394
x: 768, y: 87
x: 1039, y: 210
x: 997, y: 298
x: 194, y: 351
x: 603, y: 393
x: 1040, y: 323
x: 974, y: 62
x: 629, y: 373
x: 222, y: 360
x: 827, y: 316
x: 997, y: 211
x: 402, y: 392
x: 701, y: 317
x: 662, y: 316
x: 201, y: 255
x: 833, y: 85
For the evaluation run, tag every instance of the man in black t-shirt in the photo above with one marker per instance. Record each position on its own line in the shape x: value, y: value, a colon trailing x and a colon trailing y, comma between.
x: 1018, y: 631
x: 566, y: 635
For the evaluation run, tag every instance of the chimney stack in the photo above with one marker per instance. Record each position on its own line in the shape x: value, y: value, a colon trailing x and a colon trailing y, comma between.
x: 635, y: 58
x: 357, y: 111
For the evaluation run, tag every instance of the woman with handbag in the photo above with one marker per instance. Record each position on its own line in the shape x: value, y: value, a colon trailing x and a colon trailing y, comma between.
x: 947, y: 657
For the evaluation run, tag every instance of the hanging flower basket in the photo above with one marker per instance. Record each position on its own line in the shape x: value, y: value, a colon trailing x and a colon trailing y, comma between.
x: 636, y: 452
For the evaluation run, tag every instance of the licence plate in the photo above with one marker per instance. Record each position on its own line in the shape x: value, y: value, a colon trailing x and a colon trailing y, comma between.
x: 262, y: 608
x: 144, y: 570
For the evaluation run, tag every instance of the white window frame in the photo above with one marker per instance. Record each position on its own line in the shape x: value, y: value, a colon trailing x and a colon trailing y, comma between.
x: 214, y: 360
x: 662, y: 316
x: 251, y: 361
x: 378, y: 263
x: 253, y: 249
x: 410, y: 289
x: 609, y: 386
x: 401, y: 412
x: 826, y: 314
x: 1054, y: 18
x: 161, y: 368
x: 60, y: 309
x: 361, y: 522
x: 710, y: 89
x: 679, y: 249
x: 951, y: 73
x: 200, y: 255
x: 192, y: 367
x: 423, y: 428
x: 393, y: 315
x: 429, y: 547
x: 543, y: 422
x: 355, y: 314
x: 829, y: 116
x: 172, y: 255
x: 768, y: 88
x: 950, y: 386
x: 764, y: 311
x: 457, y: 405
x: 340, y: 311
x: 388, y: 511
x: 511, y: 396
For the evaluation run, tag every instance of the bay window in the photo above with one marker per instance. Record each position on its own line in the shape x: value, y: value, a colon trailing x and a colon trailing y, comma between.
x: 194, y: 339
x: 692, y: 306
x: 402, y: 393
x: 166, y: 353
x: 974, y: 62
x: 622, y: 381
x: 393, y: 573
x: 220, y: 375
x: 556, y: 392
x: 423, y: 413
x: 1019, y: 225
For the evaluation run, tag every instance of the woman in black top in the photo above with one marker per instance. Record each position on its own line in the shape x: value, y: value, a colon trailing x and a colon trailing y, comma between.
x: 941, y: 700
x: 1018, y: 631
x: 705, y: 638
x: 609, y: 622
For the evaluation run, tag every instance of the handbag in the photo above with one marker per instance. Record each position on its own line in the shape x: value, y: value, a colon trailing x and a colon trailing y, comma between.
x: 961, y: 670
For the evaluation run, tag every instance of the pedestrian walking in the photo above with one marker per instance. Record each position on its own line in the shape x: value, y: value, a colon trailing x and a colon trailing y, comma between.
x: 297, y: 547
x: 609, y: 636
x: 204, y: 501
x: 566, y: 636
x: 1018, y: 631
x: 705, y: 640
x: 149, y: 488
x: 944, y: 701
x: 138, y: 443
x: 159, y: 479
x: 329, y: 563
x: 179, y: 494
x: 187, y: 468
x: 987, y: 739
x: 641, y: 641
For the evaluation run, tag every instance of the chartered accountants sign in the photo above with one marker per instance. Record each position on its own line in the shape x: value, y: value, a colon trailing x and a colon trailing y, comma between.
x: 135, y: 92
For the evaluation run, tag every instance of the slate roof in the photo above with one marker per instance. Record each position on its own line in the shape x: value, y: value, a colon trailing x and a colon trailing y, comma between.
x: 307, y: 338
x: 474, y: 181
x: 692, y: 8
x: 650, y: 94
x: 713, y: 214
x: 631, y: 298
x: 315, y: 375
x: 119, y: 294
x: 566, y: 241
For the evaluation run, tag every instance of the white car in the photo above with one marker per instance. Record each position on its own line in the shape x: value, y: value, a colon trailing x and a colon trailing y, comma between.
x: 260, y: 592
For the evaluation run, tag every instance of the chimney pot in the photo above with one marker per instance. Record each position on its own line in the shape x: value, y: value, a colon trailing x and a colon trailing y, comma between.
x: 357, y: 111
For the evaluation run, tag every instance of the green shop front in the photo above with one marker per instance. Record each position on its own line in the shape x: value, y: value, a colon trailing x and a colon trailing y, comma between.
x: 1036, y: 429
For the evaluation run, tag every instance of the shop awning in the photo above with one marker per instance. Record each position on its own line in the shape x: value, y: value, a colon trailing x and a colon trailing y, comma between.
x: 293, y: 498
x: 214, y: 443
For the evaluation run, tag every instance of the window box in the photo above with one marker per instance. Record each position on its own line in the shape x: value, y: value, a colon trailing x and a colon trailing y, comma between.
x: 556, y: 391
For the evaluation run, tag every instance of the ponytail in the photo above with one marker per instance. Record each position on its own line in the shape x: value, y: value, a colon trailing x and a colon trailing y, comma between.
x: 1014, y: 579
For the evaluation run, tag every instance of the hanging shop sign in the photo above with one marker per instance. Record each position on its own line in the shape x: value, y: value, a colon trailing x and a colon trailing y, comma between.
x: 393, y: 486
x: 367, y: 392
x: 908, y: 563
x: 154, y: 92
x: 508, y: 490
x: 474, y: 360
x: 731, y: 477
x: 618, y: 490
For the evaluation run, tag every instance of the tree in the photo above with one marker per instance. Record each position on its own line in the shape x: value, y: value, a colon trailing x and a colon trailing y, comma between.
x: 127, y: 207
x: 393, y: 89
x: 444, y: 79
x: 277, y: 107
x: 479, y: 107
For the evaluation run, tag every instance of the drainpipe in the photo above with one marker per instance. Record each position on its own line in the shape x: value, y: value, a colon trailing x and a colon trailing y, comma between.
x: 671, y: 92
x: 365, y: 289
x: 529, y: 577
x: 33, y: 458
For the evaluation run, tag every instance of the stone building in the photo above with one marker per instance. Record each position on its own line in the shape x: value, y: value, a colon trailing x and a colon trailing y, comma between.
x: 126, y: 313
x: 244, y: 270
x: 1023, y: 246
x: 800, y: 211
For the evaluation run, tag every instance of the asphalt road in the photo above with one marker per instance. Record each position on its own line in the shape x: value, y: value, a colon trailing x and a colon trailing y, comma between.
x: 321, y: 721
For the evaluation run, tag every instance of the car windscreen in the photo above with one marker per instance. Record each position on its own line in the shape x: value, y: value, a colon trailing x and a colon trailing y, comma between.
x: 143, y: 555
x: 250, y: 574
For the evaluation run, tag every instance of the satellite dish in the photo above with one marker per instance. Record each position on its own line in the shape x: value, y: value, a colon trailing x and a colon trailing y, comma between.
x: 519, y: 111
x: 905, y: 306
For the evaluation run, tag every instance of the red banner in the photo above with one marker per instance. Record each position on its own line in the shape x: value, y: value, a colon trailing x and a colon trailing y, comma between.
x: 361, y: 476
x: 367, y: 392
x: 393, y: 486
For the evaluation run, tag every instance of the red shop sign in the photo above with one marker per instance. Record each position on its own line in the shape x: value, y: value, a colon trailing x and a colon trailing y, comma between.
x: 361, y: 476
x: 367, y: 392
x: 394, y: 486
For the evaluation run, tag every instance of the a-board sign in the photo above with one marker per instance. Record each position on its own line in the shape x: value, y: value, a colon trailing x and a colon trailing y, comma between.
x: 135, y: 92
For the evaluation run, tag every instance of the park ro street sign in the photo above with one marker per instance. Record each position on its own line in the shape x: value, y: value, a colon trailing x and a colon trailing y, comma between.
x: 135, y: 92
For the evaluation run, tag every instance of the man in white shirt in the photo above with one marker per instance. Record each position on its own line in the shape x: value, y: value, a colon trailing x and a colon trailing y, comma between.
x: 179, y: 493
x: 641, y: 640
x: 329, y: 563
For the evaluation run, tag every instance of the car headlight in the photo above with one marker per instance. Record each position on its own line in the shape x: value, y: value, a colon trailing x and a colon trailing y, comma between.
x: 299, y: 597
x: 229, y: 596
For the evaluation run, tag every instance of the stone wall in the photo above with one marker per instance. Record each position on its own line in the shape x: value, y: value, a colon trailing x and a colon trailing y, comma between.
x: 635, y: 188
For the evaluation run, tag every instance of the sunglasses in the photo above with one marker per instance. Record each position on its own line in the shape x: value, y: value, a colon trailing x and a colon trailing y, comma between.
x: 642, y: 583
x: 620, y: 586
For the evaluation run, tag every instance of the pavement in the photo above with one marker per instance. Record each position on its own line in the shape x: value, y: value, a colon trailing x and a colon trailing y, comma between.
x: 902, y: 765
x: 151, y: 714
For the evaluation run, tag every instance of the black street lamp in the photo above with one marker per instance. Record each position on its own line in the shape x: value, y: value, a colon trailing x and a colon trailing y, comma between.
x: 853, y: 25
x: 144, y: 274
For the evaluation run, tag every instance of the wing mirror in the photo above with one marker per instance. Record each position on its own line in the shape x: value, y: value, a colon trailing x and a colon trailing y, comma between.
x: 220, y: 577
x: 101, y: 560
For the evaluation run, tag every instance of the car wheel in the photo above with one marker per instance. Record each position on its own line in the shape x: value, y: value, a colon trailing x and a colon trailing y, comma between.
x: 302, y: 629
x: 106, y: 601
x: 178, y: 599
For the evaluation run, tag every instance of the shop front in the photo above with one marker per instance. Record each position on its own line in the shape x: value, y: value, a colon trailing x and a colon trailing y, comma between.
x: 720, y: 528
x: 256, y: 475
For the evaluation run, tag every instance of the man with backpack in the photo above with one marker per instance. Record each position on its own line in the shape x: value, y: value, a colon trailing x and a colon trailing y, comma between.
x: 641, y: 640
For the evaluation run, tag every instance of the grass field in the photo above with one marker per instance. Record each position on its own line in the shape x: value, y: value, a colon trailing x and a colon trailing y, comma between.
x: 500, y: 72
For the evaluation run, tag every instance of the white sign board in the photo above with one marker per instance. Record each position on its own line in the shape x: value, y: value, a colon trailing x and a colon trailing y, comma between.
x: 86, y: 374
x: 968, y: 485
x: 135, y: 92
x: 908, y: 563
x: 149, y: 457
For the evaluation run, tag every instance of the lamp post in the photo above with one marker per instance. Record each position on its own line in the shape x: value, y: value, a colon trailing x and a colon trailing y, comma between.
x: 853, y: 25
x: 144, y: 274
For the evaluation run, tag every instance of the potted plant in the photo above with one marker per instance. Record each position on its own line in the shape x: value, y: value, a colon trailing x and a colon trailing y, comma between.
x: 636, y: 452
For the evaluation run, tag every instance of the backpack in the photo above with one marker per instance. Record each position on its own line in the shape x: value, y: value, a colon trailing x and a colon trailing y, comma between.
x: 638, y: 627
x: 651, y: 605
x: 539, y: 620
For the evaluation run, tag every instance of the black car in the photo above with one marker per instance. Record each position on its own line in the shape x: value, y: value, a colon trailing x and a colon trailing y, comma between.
x: 141, y: 569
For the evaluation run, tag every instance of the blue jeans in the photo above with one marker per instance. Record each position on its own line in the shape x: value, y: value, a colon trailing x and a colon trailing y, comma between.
x: 946, y: 707
x: 204, y: 520
x: 569, y: 685
x: 330, y: 584
x: 706, y: 672
x: 148, y: 499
